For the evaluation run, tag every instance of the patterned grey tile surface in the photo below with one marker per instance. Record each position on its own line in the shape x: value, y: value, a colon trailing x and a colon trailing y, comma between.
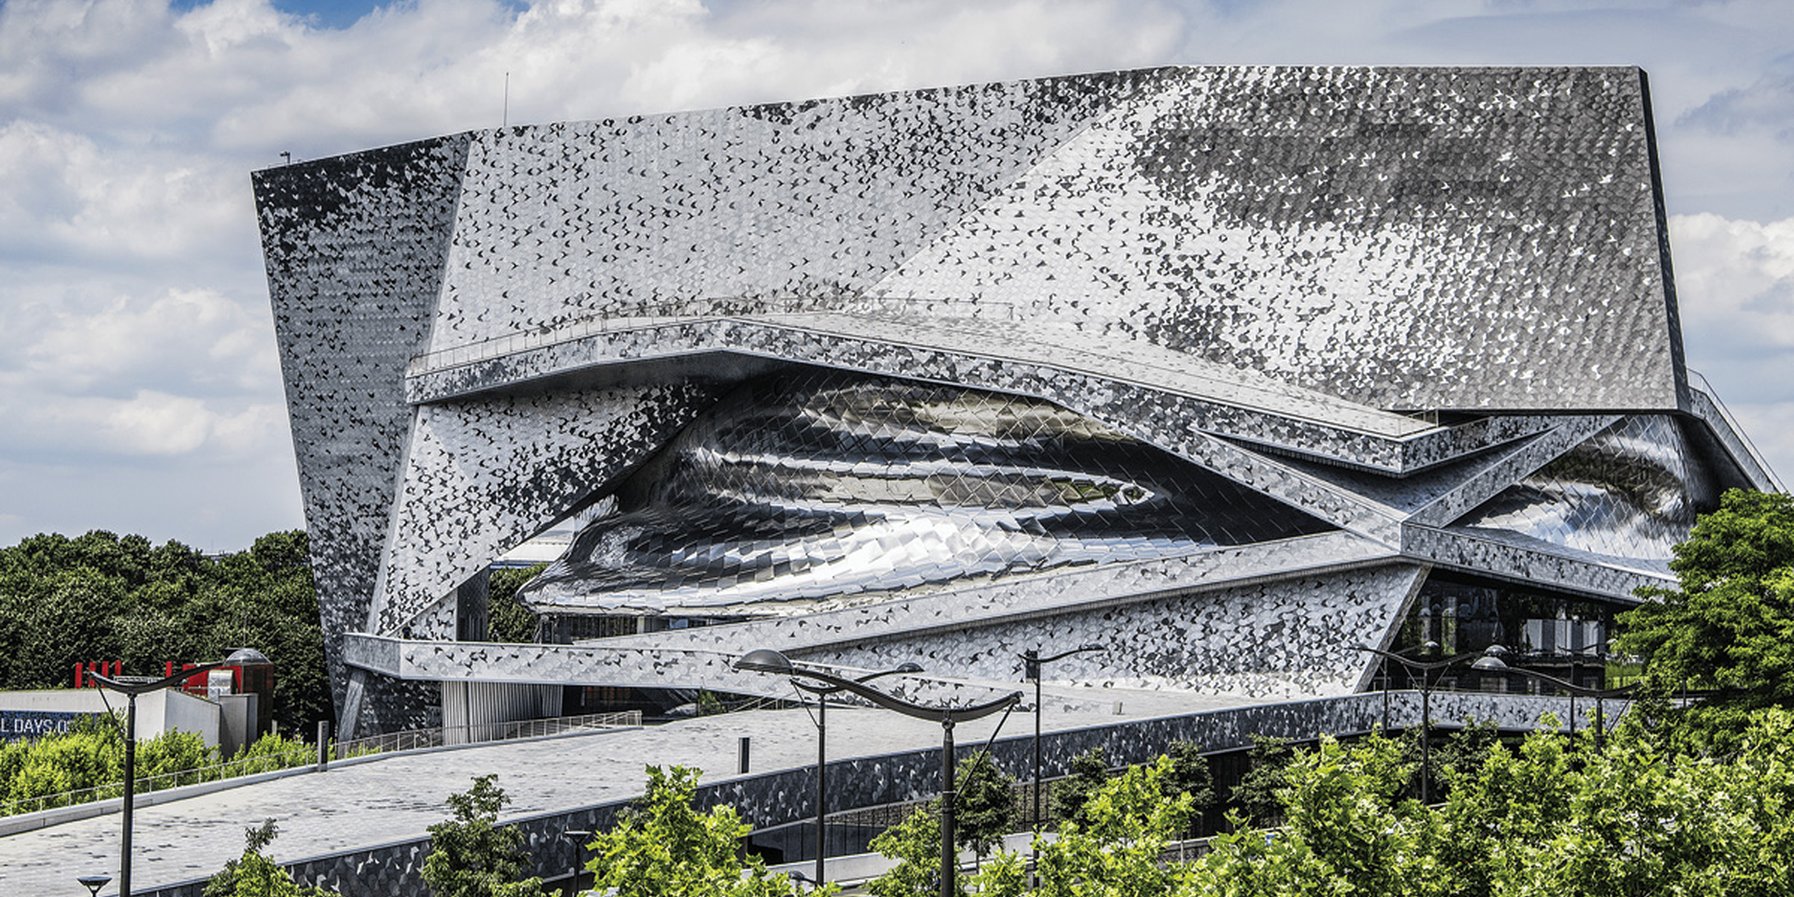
x: 1517, y: 558
x: 966, y: 606
x: 888, y: 339
x: 354, y: 249
x: 483, y: 475
x: 1280, y: 640
x: 1444, y: 492
x: 1333, y: 228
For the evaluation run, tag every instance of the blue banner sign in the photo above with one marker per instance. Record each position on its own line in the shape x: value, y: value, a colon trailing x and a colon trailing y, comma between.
x: 21, y: 724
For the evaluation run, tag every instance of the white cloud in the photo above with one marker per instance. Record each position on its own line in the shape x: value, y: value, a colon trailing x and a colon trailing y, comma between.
x: 133, y: 325
x: 1735, y: 284
x: 63, y: 195
x: 196, y: 337
x: 1770, y: 427
x: 146, y: 424
x: 1735, y: 279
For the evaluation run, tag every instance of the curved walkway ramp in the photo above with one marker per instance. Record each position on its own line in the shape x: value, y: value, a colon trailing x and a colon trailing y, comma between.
x: 361, y: 829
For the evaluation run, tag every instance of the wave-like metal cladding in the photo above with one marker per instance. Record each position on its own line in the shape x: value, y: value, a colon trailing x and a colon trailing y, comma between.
x: 822, y: 485
x: 1631, y: 491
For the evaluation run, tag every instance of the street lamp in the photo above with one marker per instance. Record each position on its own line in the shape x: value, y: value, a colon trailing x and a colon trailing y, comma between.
x: 93, y: 883
x: 1426, y: 669
x: 1426, y: 648
x: 131, y: 687
x: 1491, y: 662
x: 822, y: 692
x: 580, y: 838
x: 766, y: 660
x: 1031, y: 662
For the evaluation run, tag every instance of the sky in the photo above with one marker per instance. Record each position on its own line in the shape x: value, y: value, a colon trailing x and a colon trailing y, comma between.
x: 139, y: 383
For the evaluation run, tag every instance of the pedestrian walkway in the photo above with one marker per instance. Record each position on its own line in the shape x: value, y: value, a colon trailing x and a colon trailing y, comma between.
x: 398, y: 798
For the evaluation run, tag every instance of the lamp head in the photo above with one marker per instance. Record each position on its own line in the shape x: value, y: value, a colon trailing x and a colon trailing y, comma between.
x: 1093, y: 647
x: 765, y: 660
x: 93, y: 883
x: 1429, y: 648
x: 1489, y: 662
x: 908, y: 667
x: 248, y: 657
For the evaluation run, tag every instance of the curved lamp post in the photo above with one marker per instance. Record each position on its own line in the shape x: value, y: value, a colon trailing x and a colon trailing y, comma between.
x: 1427, y: 648
x: 1426, y: 669
x: 1591, y: 651
x: 822, y: 692
x: 1491, y: 662
x: 1031, y: 663
x: 580, y: 838
x: 766, y: 660
x: 131, y: 687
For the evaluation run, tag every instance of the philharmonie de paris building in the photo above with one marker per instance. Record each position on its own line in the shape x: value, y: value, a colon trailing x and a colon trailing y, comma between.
x: 1225, y: 370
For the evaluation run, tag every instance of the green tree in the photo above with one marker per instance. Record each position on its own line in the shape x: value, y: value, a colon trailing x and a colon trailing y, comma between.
x: 508, y: 619
x: 1116, y: 845
x: 471, y: 855
x: 985, y: 809
x: 664, y: 845
x: 1642, y: 817
x: 915, y: 843
x: 100, y: 596
x: 1461, y: 755
x: 255, y: 874
x: 1255, y: 794
x: 1346, y: 830
x: 1730, y: 624
x: 1510, y: 797
x: 1089, y: 770
x: 1190, y: 774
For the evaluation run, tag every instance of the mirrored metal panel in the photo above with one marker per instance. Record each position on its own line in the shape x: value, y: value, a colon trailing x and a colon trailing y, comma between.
x: 817, y: 485
x: 1632, y: 490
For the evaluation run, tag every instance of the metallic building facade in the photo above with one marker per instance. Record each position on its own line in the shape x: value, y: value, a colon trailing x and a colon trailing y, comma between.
x: 1230, y: 368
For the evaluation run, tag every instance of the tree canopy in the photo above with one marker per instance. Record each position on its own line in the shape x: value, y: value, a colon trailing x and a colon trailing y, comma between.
x: 664, y: 845
x: 101, y: 596
x: 1729, y: 627
x: 255, y: 874
x: 471, y: 855
x: 985, y: 809
x: 508, y: 620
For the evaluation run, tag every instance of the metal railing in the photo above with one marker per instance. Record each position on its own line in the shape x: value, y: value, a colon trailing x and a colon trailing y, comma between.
x: 657, y: 314
x: 303, y: 754
x: 1699, y: 381
x: 481, y: 733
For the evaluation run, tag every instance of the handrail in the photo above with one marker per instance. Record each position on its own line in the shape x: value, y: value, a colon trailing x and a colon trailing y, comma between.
x: 481, y: 733
x: 1725, y: 414
x: 303, y: 754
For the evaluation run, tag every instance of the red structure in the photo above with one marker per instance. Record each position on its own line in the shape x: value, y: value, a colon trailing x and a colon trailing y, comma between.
x: 112, y: 668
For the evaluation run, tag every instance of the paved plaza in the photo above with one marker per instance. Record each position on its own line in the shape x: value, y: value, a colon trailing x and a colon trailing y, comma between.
x: 398, y: 798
